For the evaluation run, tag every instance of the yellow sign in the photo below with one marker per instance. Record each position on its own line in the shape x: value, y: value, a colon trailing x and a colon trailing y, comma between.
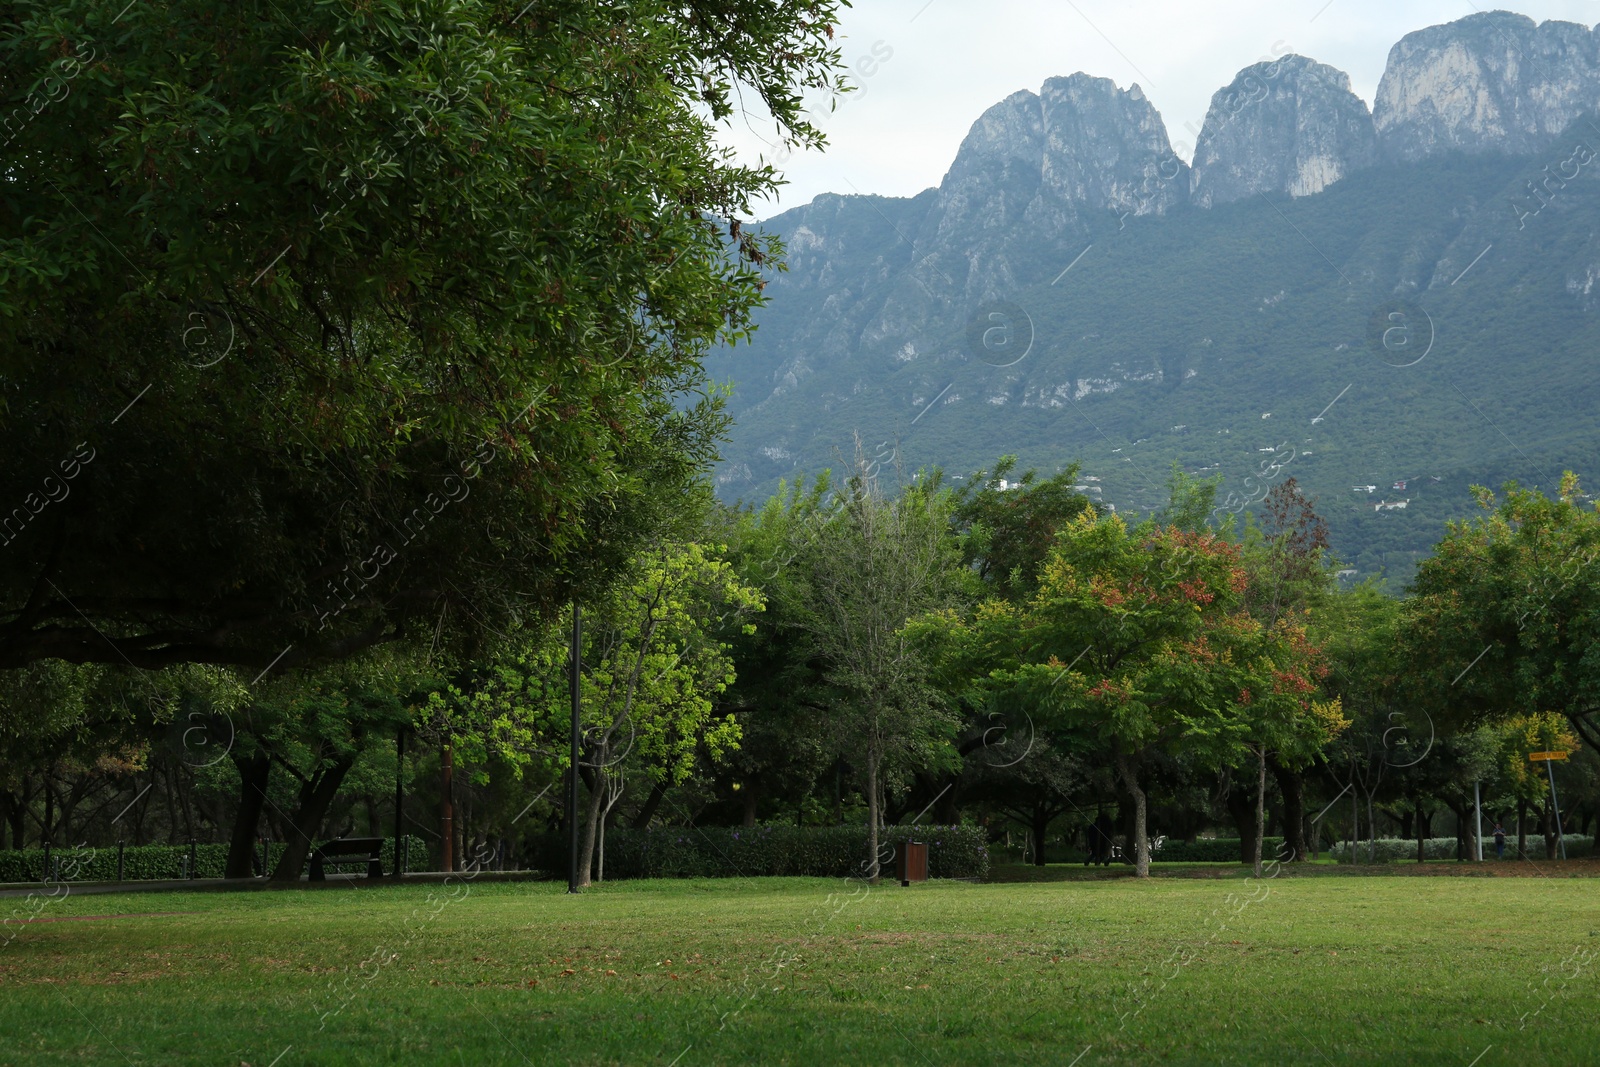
x: 1539, y: 757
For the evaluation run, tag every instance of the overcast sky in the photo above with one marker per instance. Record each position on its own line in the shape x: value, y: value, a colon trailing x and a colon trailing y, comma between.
x: 928, y: 68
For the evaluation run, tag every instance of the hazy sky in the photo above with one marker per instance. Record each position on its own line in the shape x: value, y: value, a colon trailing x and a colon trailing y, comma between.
x: 928, y: 68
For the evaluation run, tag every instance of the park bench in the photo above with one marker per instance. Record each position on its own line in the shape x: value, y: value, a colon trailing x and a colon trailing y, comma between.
x: 345, y: 851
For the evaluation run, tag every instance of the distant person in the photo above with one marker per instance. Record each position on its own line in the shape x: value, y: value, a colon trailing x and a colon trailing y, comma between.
x: 1499, y: 841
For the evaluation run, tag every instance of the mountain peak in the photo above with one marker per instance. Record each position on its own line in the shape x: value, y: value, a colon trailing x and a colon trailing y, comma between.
x: 1291, y: 126
x: 1490, y: 82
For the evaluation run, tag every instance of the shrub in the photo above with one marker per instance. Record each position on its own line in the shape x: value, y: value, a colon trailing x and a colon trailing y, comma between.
x: 145, y: 862
x: 1399, y: 849
x: 752, y: 851
x: 1211, y: 850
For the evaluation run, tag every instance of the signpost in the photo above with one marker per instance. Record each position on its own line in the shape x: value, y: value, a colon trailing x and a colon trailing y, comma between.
x: 1547, y: 758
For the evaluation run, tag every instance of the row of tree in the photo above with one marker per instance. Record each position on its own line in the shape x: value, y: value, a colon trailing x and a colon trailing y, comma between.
x: 870, y: 651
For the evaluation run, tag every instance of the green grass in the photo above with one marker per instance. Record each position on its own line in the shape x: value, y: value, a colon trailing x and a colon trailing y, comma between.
x: 1312, y: 970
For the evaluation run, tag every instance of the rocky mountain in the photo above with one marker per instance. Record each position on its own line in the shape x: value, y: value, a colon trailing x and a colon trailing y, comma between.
x: 1290, y: 126
x: 1491, y: 82
x: 1073, y: 292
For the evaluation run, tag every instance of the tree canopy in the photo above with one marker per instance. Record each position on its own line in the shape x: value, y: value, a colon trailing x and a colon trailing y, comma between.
x: 317, y: 322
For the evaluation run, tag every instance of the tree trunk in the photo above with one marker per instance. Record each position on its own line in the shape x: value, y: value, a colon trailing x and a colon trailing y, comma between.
x: 1422, y: 834
x: 1261, y: 809
x: 1355, y: 819
x: 316, y: 796
x: 1041, y: 826
x: 1244, y: 818
x: 1141, y: 846
x: 1372, y: 832
x: 254, y: 772
x: 1546, y: 822
x: 749, y: 796
x: 591, y: 819
x: 1293, y: 787
x: 873, y: 812
x: 657, y: 793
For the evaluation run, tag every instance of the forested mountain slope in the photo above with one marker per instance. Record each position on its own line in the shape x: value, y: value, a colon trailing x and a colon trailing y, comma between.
x: 1354, y: 300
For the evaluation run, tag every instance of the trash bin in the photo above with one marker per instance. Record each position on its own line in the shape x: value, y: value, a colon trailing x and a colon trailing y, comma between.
x: 912, y: 862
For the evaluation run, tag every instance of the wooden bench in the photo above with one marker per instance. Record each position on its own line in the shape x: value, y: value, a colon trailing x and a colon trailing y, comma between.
x: 345, y: 851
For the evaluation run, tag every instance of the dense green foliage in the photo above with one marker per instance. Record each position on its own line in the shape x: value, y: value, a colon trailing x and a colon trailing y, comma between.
x: 320, y: 321
x: 140, y: 862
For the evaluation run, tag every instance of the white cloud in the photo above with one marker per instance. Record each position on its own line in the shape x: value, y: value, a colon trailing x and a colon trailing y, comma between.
x: 927, y: 70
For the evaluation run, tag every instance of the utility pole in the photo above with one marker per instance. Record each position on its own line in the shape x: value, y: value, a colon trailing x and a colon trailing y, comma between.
x: 575, y: 667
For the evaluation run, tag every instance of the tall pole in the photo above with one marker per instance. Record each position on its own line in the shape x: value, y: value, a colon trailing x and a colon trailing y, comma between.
x: 448, y: 812
x: 399, y: 801
x: 1477, y: 819
x: 1561, y: 838
x: 575, y: 667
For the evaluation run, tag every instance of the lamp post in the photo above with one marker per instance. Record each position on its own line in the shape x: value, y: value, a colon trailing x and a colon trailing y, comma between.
x: 575, y: 667
x: 399, y: 801
x: 1547, y: 758
x: 1477, y: 818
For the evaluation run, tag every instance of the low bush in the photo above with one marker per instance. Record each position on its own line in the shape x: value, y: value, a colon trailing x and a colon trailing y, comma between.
x: 1170, y: 850
x: 1211, y: 850
x: 750, y: 851
x: 1399, y: 849
x: 146, y: 862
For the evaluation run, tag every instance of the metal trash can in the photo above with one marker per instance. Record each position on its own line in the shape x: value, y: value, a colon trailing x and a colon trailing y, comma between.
x: 911, y: 861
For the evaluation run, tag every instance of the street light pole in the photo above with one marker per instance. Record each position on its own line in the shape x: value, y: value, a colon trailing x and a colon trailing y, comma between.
x: 1477, y: 816
x: 1561, y: 838
x: 575, y: 667
x: 399, y: 801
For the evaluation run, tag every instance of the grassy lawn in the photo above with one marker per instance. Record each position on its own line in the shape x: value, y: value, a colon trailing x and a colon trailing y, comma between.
x: 1294, y: 970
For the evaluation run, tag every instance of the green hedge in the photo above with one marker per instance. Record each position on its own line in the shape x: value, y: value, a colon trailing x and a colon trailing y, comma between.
x: 739, y: 851
x: 1175, y: 850
x: 1212, y: 850
x: 145, y: 862
x: 1399, y: 849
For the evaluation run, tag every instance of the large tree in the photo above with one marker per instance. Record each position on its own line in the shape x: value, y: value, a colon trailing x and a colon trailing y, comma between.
x: 317, y: 320
x: 653, y: 662
x: 880, y: 562
x: 1508, y: 612
x: 1138, y: 637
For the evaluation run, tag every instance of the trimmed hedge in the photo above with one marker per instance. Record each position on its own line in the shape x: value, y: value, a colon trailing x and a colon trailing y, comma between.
x: 1211, y: 850
x: 145, y: 862
x: 740, y: 851
x: 1176, y: 850
x: 1399, y: 849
